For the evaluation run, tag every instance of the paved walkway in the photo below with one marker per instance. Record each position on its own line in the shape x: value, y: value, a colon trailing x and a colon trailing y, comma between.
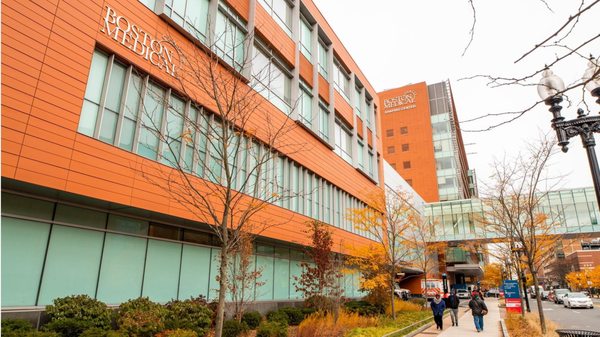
x: 466, y: 327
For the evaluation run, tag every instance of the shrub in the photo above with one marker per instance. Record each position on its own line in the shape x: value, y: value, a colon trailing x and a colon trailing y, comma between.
x: 278, y: 316
x: 93, y: 332
x: 177, y: 333
x: 419, y: 301
x: 252, y: 319
x: 364, y: 308
x: 71, y: 315
x: 319, y: 302
x: 192, y: 314
x: 272, y: 329
x: 308, y: 311
x: 68, y: 327
x: 294, y: 315
x: 37, y: 334
x: 141, y: 317
x: 324, y: 325
x: 400, y: 305
x: 113, y: 333
x: 233, y: 328
x: 15, y: 327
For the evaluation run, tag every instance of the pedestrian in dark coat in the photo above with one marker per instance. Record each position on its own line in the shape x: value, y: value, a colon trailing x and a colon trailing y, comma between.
x: 453, y: 302
x: 438, y: 306
x: 478, y: 309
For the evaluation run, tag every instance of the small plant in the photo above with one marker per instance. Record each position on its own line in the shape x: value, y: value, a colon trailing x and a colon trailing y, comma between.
x: 252, y: 319
x: 15, y: 327
x: 364, y: 308
x: 308, y: 311
x: 278, y: 316
x: 71, y: 315
x: 68, y: 327
x: 192, y: 314
x: 177, y: 333
x: 324, y: 325
x: 141, y: 317
x: 294, y: 315
x: 419, y: 301
x: 93, y: 332
x: 233, y: 328
x: 271, y: 329
x: 400, y: 305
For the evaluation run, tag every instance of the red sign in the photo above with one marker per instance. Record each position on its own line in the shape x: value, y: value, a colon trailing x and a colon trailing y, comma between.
x: 513, y: 305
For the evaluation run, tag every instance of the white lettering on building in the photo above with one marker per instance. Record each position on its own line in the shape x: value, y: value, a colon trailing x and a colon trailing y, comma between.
x: 402, y: 102
x: 137, y: 40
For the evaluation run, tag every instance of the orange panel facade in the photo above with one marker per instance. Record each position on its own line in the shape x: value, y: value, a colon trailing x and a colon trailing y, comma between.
x: 407, y: 137
x: 47, y: 56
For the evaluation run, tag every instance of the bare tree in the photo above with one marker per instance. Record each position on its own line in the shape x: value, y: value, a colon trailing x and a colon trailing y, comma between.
x: 387, y: 219
x: 514, y: 209
x: 221, y: 143
x: 565, y: 42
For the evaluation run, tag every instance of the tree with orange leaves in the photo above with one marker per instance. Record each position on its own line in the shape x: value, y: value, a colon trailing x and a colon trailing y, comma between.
x: 386, y: 219
x: 492, y: 275
x: 579, y: 280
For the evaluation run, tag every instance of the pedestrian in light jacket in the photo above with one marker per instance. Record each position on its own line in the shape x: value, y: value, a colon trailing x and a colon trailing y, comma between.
x: 438, y: 306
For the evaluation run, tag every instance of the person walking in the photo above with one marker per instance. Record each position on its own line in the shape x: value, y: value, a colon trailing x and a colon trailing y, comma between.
x: 453, y: 302
x: 438, y: 306
x: 478, y: 309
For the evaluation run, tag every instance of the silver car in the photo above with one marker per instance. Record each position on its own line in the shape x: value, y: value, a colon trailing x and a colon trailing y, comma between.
x: 577, y: 300
x: 462, y: 294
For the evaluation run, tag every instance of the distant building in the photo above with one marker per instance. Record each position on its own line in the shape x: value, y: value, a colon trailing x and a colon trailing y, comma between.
x: 422, y: 141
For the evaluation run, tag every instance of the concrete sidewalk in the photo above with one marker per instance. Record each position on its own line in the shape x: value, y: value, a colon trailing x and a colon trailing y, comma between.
x: 466, y: 326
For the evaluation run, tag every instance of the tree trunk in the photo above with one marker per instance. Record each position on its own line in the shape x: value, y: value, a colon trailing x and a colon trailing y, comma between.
x: 222, y: 293
x: 538, y: 299
x: 393, y: 284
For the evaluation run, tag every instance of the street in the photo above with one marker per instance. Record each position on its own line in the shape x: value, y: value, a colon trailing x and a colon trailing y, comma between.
x: 585, y: 319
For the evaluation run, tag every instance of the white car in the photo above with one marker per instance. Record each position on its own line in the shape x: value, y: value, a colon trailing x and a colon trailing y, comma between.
x: 462, y: 294
x: 559, y: 294
x: 577, y: 300
x: 402, y: 293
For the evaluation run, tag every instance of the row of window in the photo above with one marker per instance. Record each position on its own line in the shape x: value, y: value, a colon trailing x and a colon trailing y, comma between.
x: 132, y: 112
x: 392, y: 149
x: 269, y: 76
x: 390, y: 132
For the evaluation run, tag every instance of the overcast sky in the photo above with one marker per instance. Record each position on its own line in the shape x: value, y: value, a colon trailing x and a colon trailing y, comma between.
x: 401, y: 42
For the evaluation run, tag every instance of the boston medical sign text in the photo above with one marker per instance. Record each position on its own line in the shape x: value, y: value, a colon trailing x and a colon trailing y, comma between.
x: 137, y: 40
x: 402, y: 102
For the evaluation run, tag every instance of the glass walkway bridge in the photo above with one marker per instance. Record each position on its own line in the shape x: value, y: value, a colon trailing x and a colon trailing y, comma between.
x: 575, y: 211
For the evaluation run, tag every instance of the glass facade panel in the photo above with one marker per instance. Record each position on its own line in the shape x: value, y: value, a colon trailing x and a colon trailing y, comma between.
x: 195, y: 272
x: 71, y: 263
x: 122, y: 268
x: 266, y: 264
x: 282, y: 279
x: 213, y: 285
x: 305, y: 39
x: 23, y: 250
x: 29, y: 207
x: 127, y: 225
x: 80, y: 216
x: 93, y: 93
x: 161, y: 275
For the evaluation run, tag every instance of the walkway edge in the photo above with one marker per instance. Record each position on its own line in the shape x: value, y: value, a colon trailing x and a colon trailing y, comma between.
x: 504, y: 330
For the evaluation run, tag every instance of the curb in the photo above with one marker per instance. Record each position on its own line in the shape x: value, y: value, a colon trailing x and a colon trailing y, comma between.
x: 503, y: 326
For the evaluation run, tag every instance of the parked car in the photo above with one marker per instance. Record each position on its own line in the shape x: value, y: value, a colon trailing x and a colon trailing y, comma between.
x: 402, y: 293
x: 558, y: 295
x: 532, y: 291
x: 462, y: 294
x: 545, y: 294
x: 577, y: 300
x: 494, y: 292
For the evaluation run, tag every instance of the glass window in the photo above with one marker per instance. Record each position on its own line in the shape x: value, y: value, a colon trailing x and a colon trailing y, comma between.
x: 391, y: 149
x: 305, y: 106
x: 368, y: 113
x: 305, y: 39
x: 93, y: 92
x: 370, y: 164
x: 151, y: 121
x: 403, y: 130
x: 343, y: 142
x: 404, y: 147
x: 324, y: 121
x: 72, y: 263
x: 341, y: 80
x: 164, y: 231
x: 192, y: 15
x: 195, y: 271
x: 281, y: 12
x: 358, y: 103
x: 122, y: 268
x: 171, y: 148
x: 161, y: 274
x: 270, y: 80
x: 80, y: 216
x: 127, y: 225
x: 112, y: 105
x: 23, y: 250
x: 132, y: 107
x: 361, y: 155
x: 323, y: 61
x: 230, y: 37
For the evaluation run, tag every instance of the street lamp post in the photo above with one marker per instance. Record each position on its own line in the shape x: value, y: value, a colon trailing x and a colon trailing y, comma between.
x: 550, y: 89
